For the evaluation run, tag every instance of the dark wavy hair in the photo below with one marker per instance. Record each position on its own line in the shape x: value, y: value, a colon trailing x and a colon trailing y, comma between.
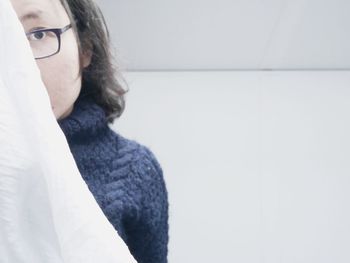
x: 101, y: 78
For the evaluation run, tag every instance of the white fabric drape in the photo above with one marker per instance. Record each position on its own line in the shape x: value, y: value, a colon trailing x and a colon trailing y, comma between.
x: 47, y: 213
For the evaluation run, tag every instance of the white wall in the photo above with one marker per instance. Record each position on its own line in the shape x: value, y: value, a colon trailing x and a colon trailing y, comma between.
x: 256, y: 163
x: 230, y: 34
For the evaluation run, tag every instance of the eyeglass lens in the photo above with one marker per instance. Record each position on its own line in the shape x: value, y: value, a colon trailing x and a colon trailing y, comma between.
x: 43, y: 43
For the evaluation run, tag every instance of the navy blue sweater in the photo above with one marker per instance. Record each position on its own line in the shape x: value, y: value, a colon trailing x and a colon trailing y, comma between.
x: 125, y: 179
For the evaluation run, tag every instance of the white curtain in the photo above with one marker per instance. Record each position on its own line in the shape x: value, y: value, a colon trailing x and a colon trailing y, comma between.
x: 47, y: 213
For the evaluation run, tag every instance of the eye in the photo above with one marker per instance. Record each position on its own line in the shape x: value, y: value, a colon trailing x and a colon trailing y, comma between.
x: 37, y: 36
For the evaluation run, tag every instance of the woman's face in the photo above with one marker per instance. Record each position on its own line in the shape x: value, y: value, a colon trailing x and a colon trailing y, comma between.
x: 59, y: 72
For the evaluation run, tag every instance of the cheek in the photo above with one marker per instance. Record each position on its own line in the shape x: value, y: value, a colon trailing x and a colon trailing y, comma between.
x: 60, y: 77
x: 59, y: 73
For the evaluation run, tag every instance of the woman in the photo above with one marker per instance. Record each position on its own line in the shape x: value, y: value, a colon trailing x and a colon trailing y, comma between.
x: 70, y: 43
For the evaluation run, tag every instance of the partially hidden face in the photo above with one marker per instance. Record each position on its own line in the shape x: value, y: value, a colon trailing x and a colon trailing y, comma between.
x: 60, y: 72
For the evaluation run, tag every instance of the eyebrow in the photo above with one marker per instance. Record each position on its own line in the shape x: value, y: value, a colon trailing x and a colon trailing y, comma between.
x: 35, y: 15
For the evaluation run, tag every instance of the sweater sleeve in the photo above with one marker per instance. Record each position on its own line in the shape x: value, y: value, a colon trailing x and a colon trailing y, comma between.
x: 148, y: 235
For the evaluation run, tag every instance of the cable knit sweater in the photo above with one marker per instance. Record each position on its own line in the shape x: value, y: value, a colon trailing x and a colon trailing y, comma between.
x: 125, y: 179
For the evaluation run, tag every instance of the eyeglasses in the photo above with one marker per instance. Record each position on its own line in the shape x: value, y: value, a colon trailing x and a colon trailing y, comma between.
x: 46, y: 42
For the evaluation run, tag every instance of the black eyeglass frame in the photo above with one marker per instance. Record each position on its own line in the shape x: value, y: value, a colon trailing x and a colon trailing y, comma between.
x: 57, y: 31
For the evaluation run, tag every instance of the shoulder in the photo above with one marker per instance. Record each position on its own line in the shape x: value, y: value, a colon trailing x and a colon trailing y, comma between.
x: 134, y: 168
x: 147, y: 220
x: 148, y: 182
x: 140, y: 158
x: 146, y: 178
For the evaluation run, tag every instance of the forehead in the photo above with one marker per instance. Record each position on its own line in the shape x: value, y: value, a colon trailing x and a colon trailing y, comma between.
x: 39, y: 10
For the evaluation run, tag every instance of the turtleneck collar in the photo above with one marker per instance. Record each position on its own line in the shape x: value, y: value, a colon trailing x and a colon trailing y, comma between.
x: 86, y: 119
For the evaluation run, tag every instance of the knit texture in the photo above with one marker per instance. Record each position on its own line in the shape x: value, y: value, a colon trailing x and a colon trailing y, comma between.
x: 125, y: 179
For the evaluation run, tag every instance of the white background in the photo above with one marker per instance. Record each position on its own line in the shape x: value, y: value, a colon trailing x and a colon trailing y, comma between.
x: 256, y: 162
